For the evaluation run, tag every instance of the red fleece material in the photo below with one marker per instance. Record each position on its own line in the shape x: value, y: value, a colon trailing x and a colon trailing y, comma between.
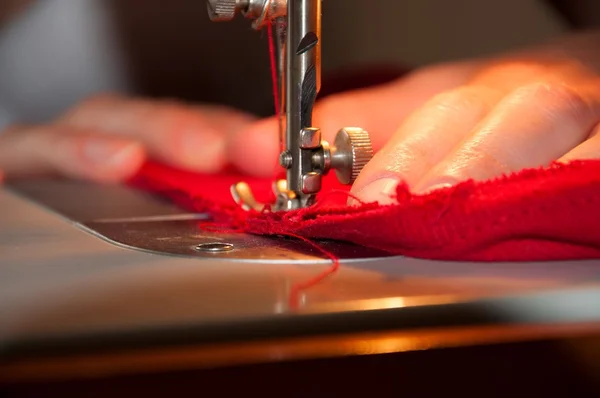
x: 550, y: 213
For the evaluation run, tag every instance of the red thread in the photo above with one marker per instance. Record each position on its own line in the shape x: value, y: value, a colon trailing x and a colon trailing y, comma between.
x: 273, y: 60
x: 299, y: 287
x: 334, y: 192
x: 275, y: 84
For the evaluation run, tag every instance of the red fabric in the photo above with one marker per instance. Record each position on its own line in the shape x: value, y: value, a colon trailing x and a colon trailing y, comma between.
x: 540, y: 214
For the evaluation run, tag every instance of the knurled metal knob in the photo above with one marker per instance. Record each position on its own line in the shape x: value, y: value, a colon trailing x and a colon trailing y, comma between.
x: 222, y: 10
x: 352, y: 151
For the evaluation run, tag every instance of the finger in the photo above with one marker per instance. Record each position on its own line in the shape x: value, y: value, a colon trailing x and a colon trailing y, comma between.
x: 589, y: 149
x: 72, y: 152
x: 256, y: 149
x: 531, y: 127
x: 190, y: 137
x: 426, y: 137
x: 414, y: 151
x: 379, y: 110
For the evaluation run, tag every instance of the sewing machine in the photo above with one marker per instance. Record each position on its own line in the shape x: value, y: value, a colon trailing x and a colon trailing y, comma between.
x: 98, y: 281
x: 306, y: 158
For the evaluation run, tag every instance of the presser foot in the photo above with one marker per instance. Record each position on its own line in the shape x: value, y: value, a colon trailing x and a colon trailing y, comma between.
x: 347, y: 156
x: 285, y: 199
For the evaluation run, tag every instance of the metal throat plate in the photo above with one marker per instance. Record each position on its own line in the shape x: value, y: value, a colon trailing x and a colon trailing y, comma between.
x: 141, y: 221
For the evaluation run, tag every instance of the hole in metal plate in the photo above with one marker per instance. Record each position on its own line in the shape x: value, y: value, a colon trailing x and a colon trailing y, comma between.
x: 215, y: 247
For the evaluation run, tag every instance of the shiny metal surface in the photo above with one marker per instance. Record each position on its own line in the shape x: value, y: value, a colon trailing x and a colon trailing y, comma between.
x: 182, y: 238
x: 243, y: 196
x: 260, y: 11
x: 85, y: 202
x: 306, y: 157
x: 224, y: 10
x: 64, y: 290
x: 155, y: 226
x: 302, y: 84
x: 351, y: 152
x: 264, y: 11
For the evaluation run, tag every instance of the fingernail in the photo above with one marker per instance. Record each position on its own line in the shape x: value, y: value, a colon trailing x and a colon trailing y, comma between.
x: 435, y: 186
x: 203, y: 151
x: 381, y: 191
x: 109, y: 152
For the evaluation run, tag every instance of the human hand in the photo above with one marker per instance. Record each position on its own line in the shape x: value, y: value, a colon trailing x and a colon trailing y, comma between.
x: 469, y: 120
x: 472, y: 120
x: 521, y: 111
x: 107, y: 138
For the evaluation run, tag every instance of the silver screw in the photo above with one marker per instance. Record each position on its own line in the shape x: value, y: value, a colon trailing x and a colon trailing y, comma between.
x: 285, y: 159
x: 223, y: 10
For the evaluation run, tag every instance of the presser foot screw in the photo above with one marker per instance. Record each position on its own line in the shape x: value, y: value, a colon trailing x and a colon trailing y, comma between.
x: 353, y: 150
x: 350, y: 152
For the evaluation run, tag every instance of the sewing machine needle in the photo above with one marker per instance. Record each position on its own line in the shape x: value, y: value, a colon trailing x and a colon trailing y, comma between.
x: 280, y: 39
